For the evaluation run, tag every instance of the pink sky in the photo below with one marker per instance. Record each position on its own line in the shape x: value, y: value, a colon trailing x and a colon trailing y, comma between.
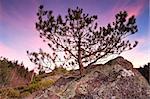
x: 18, y: 32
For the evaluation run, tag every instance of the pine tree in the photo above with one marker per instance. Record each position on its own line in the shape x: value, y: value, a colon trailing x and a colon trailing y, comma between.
x: 80, y: 37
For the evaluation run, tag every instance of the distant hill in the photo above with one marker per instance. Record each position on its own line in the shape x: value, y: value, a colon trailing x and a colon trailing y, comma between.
x: 13, y: 74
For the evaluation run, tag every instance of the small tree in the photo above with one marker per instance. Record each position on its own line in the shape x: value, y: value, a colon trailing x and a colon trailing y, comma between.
x: 145, y: 71
x: 81, y: 39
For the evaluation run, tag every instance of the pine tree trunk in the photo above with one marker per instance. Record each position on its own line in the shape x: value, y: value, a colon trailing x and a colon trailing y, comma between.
x: 32, y: 75
x: 81, y: 68
x: 79, y: 58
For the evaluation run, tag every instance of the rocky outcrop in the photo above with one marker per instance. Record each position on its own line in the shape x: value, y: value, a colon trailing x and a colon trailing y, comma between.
x: 16, y: 80
x: 114, y: 80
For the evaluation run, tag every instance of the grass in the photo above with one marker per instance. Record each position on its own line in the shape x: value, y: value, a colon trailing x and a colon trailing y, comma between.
x: 25, y: 90
x: 43, y: 84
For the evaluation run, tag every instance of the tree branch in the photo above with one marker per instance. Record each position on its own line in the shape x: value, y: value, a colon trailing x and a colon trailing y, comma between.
x: 98, y: 59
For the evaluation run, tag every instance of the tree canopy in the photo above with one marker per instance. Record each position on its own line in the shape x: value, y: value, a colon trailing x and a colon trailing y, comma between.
x: 80, y: 38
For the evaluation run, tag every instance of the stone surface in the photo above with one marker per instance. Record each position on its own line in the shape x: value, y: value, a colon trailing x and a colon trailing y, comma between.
x: 114, y: 80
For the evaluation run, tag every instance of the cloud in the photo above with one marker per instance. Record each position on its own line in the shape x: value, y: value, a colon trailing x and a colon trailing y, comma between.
x: 6, y: 51
x: 21, y: 14
x: 13, y: 54
x: 133, y: 8
x: 23, y: 32
x: 138, y: 58
x: 140, y: 54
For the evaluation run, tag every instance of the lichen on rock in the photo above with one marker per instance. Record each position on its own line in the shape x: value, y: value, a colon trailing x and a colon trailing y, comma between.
x: 126, y: 73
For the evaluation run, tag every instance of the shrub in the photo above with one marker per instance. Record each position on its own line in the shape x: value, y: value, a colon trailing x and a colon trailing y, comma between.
x: 38, y: 85
x: 46, y: 83
x: 32, y: 87
x: 59, y: 70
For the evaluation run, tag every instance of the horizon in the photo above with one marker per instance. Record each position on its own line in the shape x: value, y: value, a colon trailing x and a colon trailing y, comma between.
x: 18, y: 33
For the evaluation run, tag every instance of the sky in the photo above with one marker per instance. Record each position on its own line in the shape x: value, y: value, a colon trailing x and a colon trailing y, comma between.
x: 18, y: 17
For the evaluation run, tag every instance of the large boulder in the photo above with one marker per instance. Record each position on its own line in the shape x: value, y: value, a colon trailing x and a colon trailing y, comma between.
x: 114, y: 80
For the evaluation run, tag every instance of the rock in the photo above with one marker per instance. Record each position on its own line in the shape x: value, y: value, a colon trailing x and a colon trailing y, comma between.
x: 121, y: 61
x: 114, y: 80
